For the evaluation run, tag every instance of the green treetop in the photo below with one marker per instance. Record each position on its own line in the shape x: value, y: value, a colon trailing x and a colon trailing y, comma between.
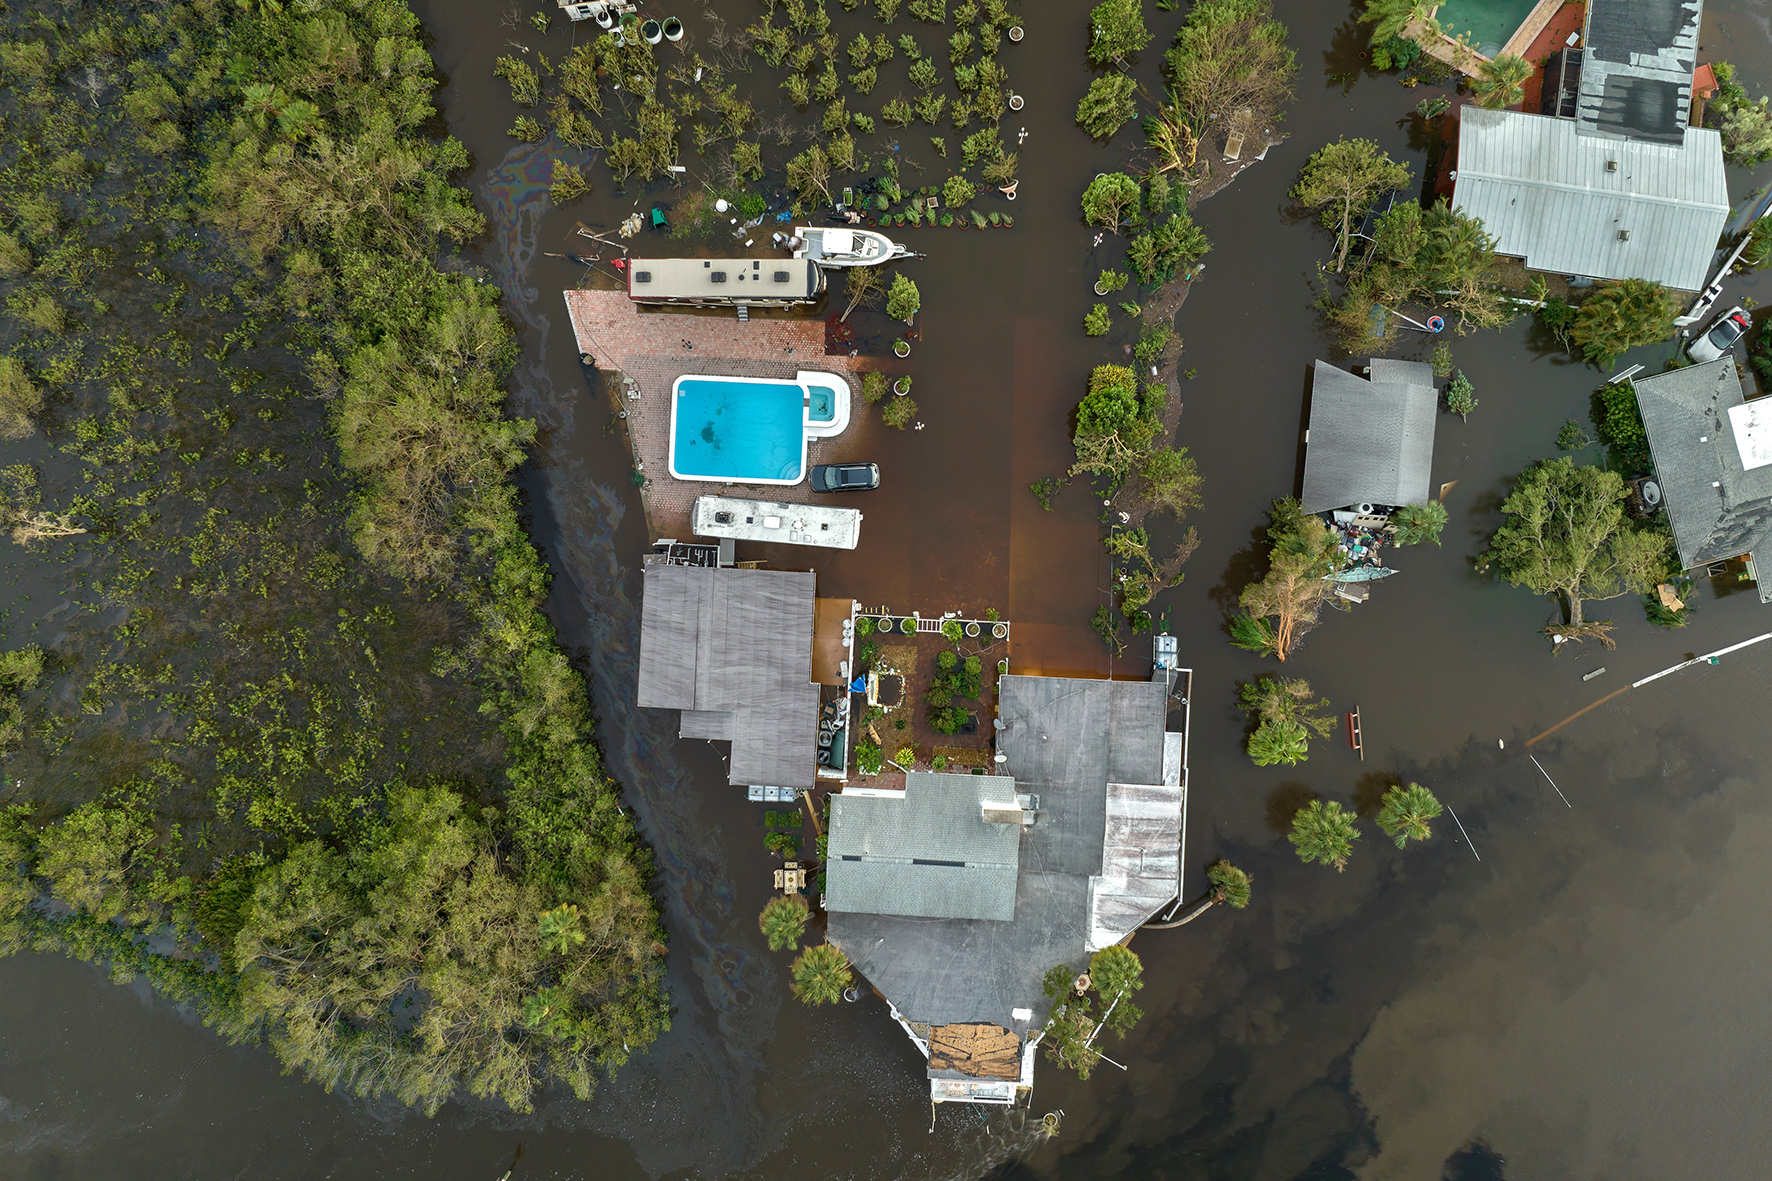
x: 904, y: 300
x: 783, y: 921
x: 1406, y: 812
x: 1342, y: 180
x: 1116, y: 31
x: 821, y: 974
x: 1322, y: 832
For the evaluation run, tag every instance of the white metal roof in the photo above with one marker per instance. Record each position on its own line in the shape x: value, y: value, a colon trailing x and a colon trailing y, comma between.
x: 1546, y: 195
x: 1752, y: 423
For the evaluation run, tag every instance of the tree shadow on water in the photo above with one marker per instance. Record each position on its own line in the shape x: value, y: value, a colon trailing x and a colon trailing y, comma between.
x: 1369, y: 791
x: 1283, y: 804
x: 1476, y: 1161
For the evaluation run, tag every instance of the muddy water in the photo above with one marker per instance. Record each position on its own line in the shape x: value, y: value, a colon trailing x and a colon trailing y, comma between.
x: 1584, y: 999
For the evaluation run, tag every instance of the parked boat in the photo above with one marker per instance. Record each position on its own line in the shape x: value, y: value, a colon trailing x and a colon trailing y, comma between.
x: 848, y: 246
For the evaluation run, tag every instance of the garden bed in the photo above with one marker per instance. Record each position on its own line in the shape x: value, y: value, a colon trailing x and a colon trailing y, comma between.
x: 936, y: 718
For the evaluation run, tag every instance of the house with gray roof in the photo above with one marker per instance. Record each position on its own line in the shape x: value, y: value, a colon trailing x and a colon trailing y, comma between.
x: 1603, y: 207
x: 955, y: 896
x: 1370, y: 439
x: 732, y: 649
x: 1636, y: 69
x: 1713, y: 461
x: 1626, y: 189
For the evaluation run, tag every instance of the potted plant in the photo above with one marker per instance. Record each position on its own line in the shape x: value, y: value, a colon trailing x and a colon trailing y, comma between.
x: 901, y: 348
x: 652, y: 31
x: 999, y: 630
x: 902, y: 386
x: 1015, y: 33
x: 972, y: 630
x: 908, y: 626
x: 673, y: 29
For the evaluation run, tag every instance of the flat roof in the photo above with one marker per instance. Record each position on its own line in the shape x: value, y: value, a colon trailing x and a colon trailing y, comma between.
x: 1636, y: 74
x: 772, y: 520
x: 1575, y: 204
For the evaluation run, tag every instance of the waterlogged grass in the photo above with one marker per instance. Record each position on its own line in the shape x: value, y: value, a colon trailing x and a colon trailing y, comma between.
x: 299, y: 745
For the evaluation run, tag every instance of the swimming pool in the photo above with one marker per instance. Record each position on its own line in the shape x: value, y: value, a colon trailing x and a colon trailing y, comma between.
x: 750, y: 430
x: 1489, y: 23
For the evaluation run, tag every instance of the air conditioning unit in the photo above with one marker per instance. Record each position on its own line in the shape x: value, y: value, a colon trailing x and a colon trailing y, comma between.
x: 722, y: 518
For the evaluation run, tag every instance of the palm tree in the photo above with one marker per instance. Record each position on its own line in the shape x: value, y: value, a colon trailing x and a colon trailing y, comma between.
x: 1323, y: 832
x: 1230, y: 885
x: 1416, y: 523
x: 1390, y: 17
x: 1279, y: 742
x: 1406, y: 812
x: 821, y: 974
x: 559, y: 929
x: 783, y: 921
x: 1502, y: 82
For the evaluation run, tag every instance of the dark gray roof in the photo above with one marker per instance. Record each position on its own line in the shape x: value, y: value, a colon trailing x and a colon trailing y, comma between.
x: 1636, y: 76
x: 1717, y: 506
x: 928, y: 852
x: 1561, y: 200
x: 1065, y: 741
x: 1370, y: 441
x: 733, y: 650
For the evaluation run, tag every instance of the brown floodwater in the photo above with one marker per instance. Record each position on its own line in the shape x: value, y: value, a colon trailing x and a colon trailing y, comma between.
x: 1560, y: 990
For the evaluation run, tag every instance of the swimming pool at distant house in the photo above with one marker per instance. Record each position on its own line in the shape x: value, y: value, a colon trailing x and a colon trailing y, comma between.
x: 749, y: 430
x: 1489, y: 23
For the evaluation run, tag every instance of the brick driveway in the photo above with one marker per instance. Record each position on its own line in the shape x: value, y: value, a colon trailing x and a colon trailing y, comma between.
x: 651, y: 349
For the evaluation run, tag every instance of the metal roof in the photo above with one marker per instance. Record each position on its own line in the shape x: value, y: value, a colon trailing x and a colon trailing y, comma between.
x: 1718, y: 508
x: 1094, y: 755
x: 1636, y: 78
x: 1546, y: 194
x: 1370, y: 441
x: 928, y: 853
x: 724, y: 280
x: 733, y: 650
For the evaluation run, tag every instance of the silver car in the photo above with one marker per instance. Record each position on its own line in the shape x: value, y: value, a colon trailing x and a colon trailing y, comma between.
x: 1730, y: 327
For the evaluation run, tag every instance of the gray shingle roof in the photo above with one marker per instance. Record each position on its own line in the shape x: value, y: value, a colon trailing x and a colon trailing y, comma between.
x: 1370, y: 441
x: 928, y: 853
x: 733, y: 650
x: 1636, y: 75
x: 1718, y: 508
x: 1065, y: 742
x: 1545, y: 194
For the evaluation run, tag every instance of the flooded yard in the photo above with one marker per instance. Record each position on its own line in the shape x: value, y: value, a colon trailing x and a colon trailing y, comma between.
x: 1557, y: 985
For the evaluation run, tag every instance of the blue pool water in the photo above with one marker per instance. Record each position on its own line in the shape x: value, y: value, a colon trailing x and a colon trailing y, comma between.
x: 739, y: 430
x: 820, y: 406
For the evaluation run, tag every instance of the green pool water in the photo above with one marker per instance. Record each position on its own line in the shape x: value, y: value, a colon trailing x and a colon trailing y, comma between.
x: 1488, y: 22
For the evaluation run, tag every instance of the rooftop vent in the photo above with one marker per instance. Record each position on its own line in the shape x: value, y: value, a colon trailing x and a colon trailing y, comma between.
x: 1624, y: 235
x: 705, y: 265
x: 718, y: 276
x: 781, y: 276
x: 722, y: 518
x: 756, y: 265
x: 642, y: 276
x: 1611, y: 166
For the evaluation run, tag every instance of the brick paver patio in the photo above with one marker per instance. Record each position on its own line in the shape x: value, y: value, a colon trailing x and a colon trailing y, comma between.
x: 651, y: 349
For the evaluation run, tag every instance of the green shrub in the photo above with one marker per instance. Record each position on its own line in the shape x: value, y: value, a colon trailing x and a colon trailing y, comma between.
x: 1097, y: 322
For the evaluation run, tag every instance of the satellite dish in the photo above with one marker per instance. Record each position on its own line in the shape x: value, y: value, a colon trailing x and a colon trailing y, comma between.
x: 1651, y: 493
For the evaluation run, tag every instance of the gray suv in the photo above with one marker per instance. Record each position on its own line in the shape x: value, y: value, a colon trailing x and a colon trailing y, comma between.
x: 845, y: 477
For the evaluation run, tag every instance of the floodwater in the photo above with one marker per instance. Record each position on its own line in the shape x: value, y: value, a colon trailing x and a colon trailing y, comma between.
x: 1567, y: 987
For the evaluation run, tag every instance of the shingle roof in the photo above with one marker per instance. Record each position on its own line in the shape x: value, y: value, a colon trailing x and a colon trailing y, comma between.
x: 1544, y: 193
x: 928, y: 853
x: 1636, y: 76
x: 1093, y: 752
x: 733, y: 650
x: 1370, y: 441
x: 1718, y: 508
